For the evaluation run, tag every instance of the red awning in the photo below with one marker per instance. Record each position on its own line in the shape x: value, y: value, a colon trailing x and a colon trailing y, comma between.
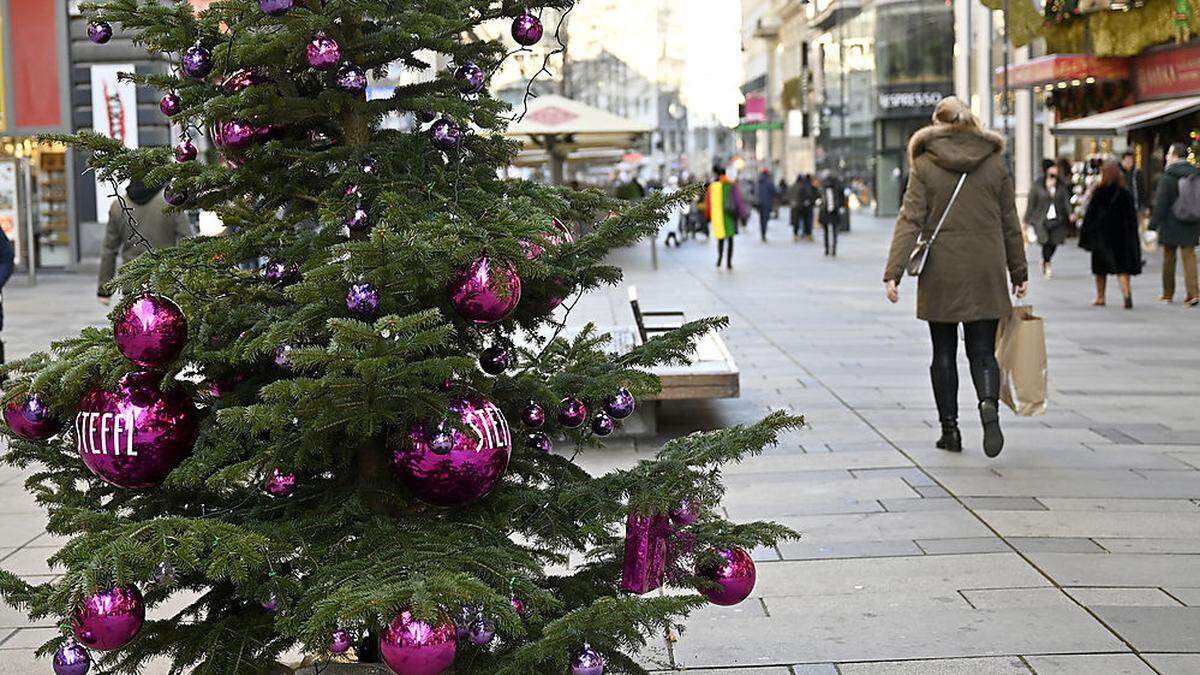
x: 1054, y: 68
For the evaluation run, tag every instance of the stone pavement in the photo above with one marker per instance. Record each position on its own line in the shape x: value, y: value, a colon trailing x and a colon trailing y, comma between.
x: 1075, y: 551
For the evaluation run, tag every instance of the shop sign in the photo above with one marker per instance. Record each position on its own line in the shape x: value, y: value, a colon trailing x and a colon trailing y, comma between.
x: 909, y: 99
x: 1167, y: 74
x: 755, y: 109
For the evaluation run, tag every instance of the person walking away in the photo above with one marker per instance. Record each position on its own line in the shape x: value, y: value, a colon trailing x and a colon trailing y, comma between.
x: 803, y: 196
x: 672, y: 230
x: 1134, y: 182
x: 781, y: 191
x: 765, y: 194
x: 724, y: 207
x: 1110, y: 232
x: 971, y: 262
x: 7, y: 263
x: 162, y: 230
x: 1177, y: 237
x: 1047, y: 212
x: 833, y: 204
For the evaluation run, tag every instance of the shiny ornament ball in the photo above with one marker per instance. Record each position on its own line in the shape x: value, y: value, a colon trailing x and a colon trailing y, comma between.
x: 110, y: 619
x: 340, y: 642
x: 236, y: 134
x: 446, y: 135
x: 572, y: 412
x: 425, y: 116
x: 539, y: 441
x: 621, y: 404
x: 369, y: 166
x: 480, y: 448
x: 281, y: 273
x: 136, y: 434
x: 410, y: 646
x: 587, y: 662
x: 350, y: 190
x: 362, y: 300
x: 31, y: 419
x: 351, y: 78
x: 486, y: 290
x: 72, y: 659
x: 527, y: 29
x: 280, y: 484
x: 275, y: 7
x: 323, y: 53
x: 185, y: 151
x: 603, y: 425
x: 197, y: 62
x: 170, y: 105
x: 174, y: 194
x: 358, y: 220
x: 151, y: 331
x: 686, y: 514
x: 494, y: 360
x: 99, y: 32
x: 534, y: 415
x: 519, y: 607
x: 470, y: 78
x: 481, y: 631
x: 164, y: 573
x: 734, y: 577
x: 270, y: 603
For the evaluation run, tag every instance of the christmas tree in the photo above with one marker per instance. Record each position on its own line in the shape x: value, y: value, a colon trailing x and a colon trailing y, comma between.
x: 299, y: 432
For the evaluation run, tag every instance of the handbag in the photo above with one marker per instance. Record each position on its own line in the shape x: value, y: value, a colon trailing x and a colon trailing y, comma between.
x: 916, y: 260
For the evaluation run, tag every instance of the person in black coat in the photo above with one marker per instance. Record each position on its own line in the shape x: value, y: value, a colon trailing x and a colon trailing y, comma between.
x: 1110, y: 232
x: 803, y: 196
x: 833, y: 207
x: 6, y: 271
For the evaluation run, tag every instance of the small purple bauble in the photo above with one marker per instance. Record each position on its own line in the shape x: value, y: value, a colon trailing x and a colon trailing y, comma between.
x: 197, y: 62
x: 478, y: 456
x: 470, y: 78
x: 174, y: 194
x: 603, y: 425
x: 281, y: 273
x: 519, y: 607
x: 621, y: 404
x: 446, y: 135
x: 31, y: 419
x: 587, y: 662
x: 110, y: 619
x: 486, y: 290
x: 235, y: 134
x: 164, y: 573
x: 481, y: 631
x: 280, y: 484
x: 72, y: 659
x: 185, y: 151
x: 281, y: 357
x: 540, y: 442
x: 170, y: 105
x: 358, y: 220
x: 350, y: 190
x: 99, y: 32
x: 369, y: 166
x: 275, y: 7
x: 151, y: 331
x: 425, y: 116
x: 341, y: 641
x: 572, y: 412
x: 135, y: 435
x: 362, y: 300
x: 270, y: 603
x: 410, y: 646
x: 734, y: 578
x: 687, y: 513
x: 527, y: 30
x: 323, y: 53
x: 534, y: 415
x: 351, y: 78
x: 494, y: 360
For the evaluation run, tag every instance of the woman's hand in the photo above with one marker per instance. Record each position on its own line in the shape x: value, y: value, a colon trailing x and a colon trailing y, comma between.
x: 892, y: 292
x: 1020, y: 290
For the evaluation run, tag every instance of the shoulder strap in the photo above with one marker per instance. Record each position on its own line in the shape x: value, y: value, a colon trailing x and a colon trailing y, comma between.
x: 958, y: 188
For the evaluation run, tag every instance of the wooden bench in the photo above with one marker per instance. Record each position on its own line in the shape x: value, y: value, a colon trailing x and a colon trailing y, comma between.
x: 712, y: 372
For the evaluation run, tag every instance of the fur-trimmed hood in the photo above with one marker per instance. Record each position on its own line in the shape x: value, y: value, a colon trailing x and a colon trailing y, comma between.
x: 953, y: 147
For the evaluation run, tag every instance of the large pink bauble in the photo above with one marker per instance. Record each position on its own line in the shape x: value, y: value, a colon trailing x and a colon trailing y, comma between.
x: 31, y: 419
x: 734, y: 578
x: 413, y: 647
x: 151, y: 332
x: 447, y: 466
x: 134, y: 436
x: 486, y: 290
x: 110, y: 619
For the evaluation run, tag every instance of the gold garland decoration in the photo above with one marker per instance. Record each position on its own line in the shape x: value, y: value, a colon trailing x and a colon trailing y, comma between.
x: 1024, y: 20
x: 1112, y: 33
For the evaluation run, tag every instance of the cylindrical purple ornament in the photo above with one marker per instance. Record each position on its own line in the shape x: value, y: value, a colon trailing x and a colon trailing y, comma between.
x: 197, y: 62
x: 170, y: 105
x: 486, y: 290
x: 99, y: 32
x: 72, y: 659
x: 410, y: 646
x: 587, y: 662
x: 358, y: 220
x: 603, y: 425
x: 446, y: 135
x: 734, y: 577
x: 362, y: 300
x: 494, y: 360
x: 621, y: 404
x: 151, y: 331
x: 323, y: 53
x: 539, y: 441
x: 527, y: 29
x: 534, y: 415
x: 572, y: 412
x: 110, y: 619
x: 280, y: 484
x: 275, y: 7
x: 470, y: 78
x: 340, y: 642
x: 351, y: 78
x: 185, y: 151
x: 31, y: 419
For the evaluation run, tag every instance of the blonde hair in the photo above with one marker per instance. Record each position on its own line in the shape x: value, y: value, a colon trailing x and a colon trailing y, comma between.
x: 951, y: 110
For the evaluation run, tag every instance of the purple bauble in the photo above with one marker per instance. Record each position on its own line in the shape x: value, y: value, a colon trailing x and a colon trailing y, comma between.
x: 275, y: 7
x: 519, y: 607
x: 174, y: 194
x: 351, y: 78
x: 135, y: 435
x: 164, y: 573
x: 603, y: 425
x: 280, y: 484
x: 358, y: 220
x: 151, y: 332
x: 587, y: 662
x: 279, y: 272
x: 686, y: 514
x: 72, y: 659
x: 572, y: 412
x: 486, y: 290
x: 340, y: 642
x: 621, y: 404
x: 494, y: 360
x: 323, y: 53
x: 170, y: 105
x: 734, y: 578
x: 527, y: 29
x: 534, y: 415
x: 99, y: 32
x: 235, y: 134
x: 31, y: 419
x: 270, y: 603
x: 369, y: 166
x: 425, y: 116
x: 470, y: 78
x: 197, y: 62
x: 350, y: 190
x: 110, y: 619
x: 446, y: 135
x: 185, y: 151
x: 481, y: 631
x: 540, y: 442
x: 410, y: 646
x: 476, y: 460
x: 362, y: 300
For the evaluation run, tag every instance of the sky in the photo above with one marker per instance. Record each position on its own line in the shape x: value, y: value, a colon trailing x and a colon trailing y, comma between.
x: 713, y: 71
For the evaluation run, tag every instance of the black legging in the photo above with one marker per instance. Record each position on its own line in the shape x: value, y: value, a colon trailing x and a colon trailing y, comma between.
x: 764, y: 218
x: 980, y: 337
x: 721, y: 251
x: 1048, y: 250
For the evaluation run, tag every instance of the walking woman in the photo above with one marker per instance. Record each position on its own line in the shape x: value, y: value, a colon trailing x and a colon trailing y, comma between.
x: 724, y: 207
x: 1048, y: 210
x: 1110, y: 232
x: 966, y: 276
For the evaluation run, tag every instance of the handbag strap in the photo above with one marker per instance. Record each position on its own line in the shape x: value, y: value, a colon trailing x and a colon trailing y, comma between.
x: 958, y: 188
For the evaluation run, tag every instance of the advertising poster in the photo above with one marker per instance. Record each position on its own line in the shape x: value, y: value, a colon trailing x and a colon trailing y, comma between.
x: 114, y: 114
x: 10, y: 212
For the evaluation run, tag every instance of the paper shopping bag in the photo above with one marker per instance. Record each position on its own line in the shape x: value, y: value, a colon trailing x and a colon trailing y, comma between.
x: 1021, y: 351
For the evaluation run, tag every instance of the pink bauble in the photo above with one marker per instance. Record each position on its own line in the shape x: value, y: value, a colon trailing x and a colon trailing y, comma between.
x: 31, y: 419
x: 450, y: 466
x: 486, y: 290
x: 110, y: 619
x: 734, y: 577
x: 410, y: 646
x: 151, y: 332
x: 134, y: 436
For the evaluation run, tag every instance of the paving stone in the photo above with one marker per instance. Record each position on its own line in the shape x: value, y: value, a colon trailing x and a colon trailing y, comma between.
x: 815, y: 669
x: 822, y: 462
x: 1008, y: 598
x: 932, y: 492
x: 963, y: 545
x: 1175, y: 664
x: 1155, y: 629
x: 1089, y: 664
x: 765, y: 670
x: 914, y: 477
x: 920, y: 504
x: 1123, y: 597
x: 1117, y: 569
x: 1119, y: 505
x: 1166, y: 546
x: 811, y: 550
x: 1189, y: 596
x: 1055, y: 545
x: 999, y: 665
x: 1004, y: 504
x: 1093, y: 524
x: 888, y: 526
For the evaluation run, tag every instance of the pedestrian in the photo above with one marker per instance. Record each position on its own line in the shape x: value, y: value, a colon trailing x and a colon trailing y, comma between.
x: 833, y: 206
x: 765, y: 194
x: 964, y: 277
x: 1134, y: 182
x: 7, y: 262
x: 781, y: 191
x: 724, y: 206
x: 1110, y: 232
x: 1178, y: 238
x: 1047, y: 212
x: 672, y: 230
x: 161, y: 230
x: 803, y: 196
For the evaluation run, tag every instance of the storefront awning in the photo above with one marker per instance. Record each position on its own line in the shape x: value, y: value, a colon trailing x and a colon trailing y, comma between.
x: 1054, y: 68
x: 1122, y: 120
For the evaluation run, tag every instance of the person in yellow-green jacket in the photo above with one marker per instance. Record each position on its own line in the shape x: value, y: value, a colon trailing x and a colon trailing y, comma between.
x: 724, y: 207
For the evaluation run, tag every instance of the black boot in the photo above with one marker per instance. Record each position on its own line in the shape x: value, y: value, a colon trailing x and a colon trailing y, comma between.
x: 945, y: 393
x: 987, y: 386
